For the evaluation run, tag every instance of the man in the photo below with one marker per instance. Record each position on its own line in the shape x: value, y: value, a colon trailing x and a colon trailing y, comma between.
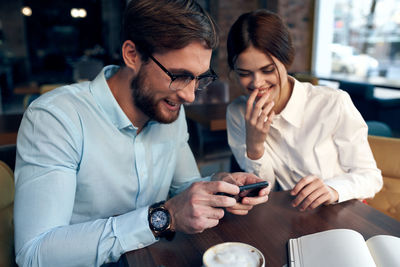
x: 96, y: 160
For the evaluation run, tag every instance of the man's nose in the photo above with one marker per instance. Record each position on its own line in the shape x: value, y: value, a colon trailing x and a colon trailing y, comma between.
x: 188, y: 92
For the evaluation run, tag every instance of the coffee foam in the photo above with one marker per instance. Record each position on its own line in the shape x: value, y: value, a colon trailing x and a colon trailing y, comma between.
x: 233, y: 254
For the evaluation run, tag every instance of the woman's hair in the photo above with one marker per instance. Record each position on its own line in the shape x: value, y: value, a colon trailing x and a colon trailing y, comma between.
x: 265, y: 31
x: 162, y: 25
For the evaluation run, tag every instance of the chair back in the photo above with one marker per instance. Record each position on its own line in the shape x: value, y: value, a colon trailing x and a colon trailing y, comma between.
x: 379, y: 128
x: 387, y: 157
x: 358, y: 90
x: 7, y: 257
x: 362, y: 95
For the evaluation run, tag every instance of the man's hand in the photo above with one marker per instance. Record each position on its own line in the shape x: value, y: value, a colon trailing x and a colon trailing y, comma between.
x: 199, y: 208
x: 247, y: 203
x: 311, y: 192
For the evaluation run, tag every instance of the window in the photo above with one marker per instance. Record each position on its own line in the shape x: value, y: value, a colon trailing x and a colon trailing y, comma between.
x: 360, y: 38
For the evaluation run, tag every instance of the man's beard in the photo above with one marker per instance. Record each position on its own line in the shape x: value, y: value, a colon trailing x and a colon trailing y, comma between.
x: 144, y: 99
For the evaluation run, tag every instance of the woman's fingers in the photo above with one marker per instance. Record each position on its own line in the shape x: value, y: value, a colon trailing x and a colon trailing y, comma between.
x: 265, y: 113
x: 250, y: 104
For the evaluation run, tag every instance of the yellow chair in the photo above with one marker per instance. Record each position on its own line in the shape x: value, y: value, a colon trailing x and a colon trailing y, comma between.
x: 6, y: 216
x: 387, y: 156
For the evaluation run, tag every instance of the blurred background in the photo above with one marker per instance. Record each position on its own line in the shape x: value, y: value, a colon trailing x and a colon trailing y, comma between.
x: 349, y: 44
x: 58, y: 42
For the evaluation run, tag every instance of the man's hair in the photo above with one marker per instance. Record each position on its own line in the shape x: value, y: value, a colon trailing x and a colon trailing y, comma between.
x: 265, y: 31
x: 163, y: 25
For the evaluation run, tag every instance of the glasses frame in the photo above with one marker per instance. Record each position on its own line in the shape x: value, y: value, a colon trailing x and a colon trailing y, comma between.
x: 173, y: 77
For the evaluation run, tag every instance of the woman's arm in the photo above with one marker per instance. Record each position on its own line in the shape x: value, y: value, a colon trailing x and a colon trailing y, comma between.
x: 236, y: 129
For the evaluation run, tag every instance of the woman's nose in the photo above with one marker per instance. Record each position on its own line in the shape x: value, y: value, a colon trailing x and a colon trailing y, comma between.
x: 258, y: 80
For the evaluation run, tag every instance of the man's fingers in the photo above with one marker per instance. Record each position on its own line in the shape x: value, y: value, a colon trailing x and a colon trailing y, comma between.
x: 245, y: 178
x: 229, y: 179
x: 237, y: 212
x: 199, y: 226
x: 222, y: 201
x: 240, y: 206
x: 222, y: 187
x: 215, y: 213
x: 255, y: 200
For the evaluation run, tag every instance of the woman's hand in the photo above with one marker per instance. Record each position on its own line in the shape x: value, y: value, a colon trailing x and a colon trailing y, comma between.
x: 312, y: 192
x: 258, y: 118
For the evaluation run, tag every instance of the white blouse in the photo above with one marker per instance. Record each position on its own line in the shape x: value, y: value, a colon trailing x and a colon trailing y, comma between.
x: 319, y: 132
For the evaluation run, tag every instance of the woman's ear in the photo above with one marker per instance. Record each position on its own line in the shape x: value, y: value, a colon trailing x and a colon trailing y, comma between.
x: 130, y: 55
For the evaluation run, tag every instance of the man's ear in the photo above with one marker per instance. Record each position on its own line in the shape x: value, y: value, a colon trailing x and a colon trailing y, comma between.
x: 130, y: 55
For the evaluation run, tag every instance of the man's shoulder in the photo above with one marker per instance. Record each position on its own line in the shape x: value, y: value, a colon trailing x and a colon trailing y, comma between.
x: 64, y: 97
x: 68, y: 104
x: 63, y: 94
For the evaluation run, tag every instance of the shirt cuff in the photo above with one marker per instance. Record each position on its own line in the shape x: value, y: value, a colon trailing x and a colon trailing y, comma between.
x: 254, y: 166
x: 133, y: 231
x: 343, y: 191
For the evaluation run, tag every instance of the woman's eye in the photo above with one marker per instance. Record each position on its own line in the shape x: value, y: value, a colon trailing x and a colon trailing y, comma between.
x: 241, y: 74
x: 268, y: 71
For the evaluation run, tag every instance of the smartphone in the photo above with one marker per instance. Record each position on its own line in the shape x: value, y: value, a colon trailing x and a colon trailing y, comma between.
x: 254, y: 188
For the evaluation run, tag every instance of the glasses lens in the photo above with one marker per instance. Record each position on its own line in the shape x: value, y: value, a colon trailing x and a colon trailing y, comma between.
x: 180, y: 82
x: 205, y: 81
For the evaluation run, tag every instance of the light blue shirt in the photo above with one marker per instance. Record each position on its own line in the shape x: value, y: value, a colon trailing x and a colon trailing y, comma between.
x: 84, y: 178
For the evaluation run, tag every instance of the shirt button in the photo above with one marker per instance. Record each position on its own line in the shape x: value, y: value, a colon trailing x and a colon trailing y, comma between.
x: 140, y: 245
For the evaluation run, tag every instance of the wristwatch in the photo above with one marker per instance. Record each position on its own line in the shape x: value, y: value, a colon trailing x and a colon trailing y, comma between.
x: 160, y: 221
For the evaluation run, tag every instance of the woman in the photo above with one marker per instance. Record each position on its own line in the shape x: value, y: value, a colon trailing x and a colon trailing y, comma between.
x: 304, y: 138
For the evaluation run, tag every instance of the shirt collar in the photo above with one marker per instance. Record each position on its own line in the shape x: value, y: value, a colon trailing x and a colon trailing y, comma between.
x: 106, y: 100
x: 293, y: 112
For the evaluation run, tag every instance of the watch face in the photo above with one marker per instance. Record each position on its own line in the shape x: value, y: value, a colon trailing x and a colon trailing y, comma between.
x: 159, y: 220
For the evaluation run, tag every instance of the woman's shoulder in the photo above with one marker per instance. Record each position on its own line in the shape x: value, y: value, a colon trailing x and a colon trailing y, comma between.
x: 329, y: 94
x: 325, y: 90
x: 237, y: 105
x: 240, y: 100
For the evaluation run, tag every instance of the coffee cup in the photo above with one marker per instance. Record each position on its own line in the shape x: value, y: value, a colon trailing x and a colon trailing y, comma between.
x: 233, y: 254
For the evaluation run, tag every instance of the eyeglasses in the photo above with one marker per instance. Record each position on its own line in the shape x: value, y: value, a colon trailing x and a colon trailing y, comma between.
x: 180, y: 81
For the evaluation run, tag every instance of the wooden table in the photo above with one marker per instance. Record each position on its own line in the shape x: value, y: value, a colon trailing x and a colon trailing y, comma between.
x: 9, y: 125
x: 212, y: 116
x: 267, y: 227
